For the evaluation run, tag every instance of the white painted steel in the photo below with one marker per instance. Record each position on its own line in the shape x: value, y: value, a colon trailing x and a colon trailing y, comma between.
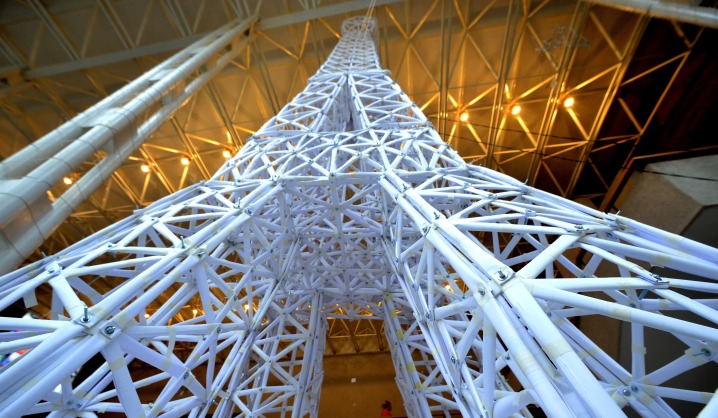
x: 348, y: 204
x: 118, y: 126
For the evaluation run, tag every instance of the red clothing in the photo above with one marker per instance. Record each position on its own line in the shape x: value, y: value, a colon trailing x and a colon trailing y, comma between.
x: 385, y: 413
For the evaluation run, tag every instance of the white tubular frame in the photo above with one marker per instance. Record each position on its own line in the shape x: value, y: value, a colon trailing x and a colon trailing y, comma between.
x: 348, y: 204
x: 116, y: 126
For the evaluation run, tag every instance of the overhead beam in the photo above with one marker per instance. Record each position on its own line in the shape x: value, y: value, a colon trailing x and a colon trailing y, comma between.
x: 116, y: 23
x: 175, y: 44
x: 559, y: 79
x: 319, y: 12
x: 54, y: 29
x: 512, y: 36
x: 111, y: 58
x: 625, y: 58
x: 12, y: 15
x: 696, y: 15
x: 11, y: 55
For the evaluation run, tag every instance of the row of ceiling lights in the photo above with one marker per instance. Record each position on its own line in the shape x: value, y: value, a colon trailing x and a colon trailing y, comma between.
x: 516, y: 109
x: 186, y: 159
x: 145, y: 168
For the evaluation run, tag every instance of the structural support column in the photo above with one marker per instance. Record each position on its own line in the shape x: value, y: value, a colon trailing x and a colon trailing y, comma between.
x: 220, y: 289
x: 310, y: 377
x: 407, y: 378
x: 109, y: 131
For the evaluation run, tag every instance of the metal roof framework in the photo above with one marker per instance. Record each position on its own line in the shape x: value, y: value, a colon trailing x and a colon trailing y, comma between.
x: 348, y: 204
x: 451, y: 57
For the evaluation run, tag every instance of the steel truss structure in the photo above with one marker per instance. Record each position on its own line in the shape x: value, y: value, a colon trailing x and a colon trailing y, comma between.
x: 347, y: 204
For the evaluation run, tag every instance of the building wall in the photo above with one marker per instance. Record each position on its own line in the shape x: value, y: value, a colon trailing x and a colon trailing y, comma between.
x: 374, y: 383
x: 681, y: 197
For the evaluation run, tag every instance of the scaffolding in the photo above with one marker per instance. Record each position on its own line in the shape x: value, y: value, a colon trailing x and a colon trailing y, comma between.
x: 348, y: 203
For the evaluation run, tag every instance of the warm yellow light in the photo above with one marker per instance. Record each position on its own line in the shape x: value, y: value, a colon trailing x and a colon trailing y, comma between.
x: 194, y: 312
x: 464, y: 116
x: 147, y: 316
x: 447, y: 287
x: 227, y: 153
x: 145, y: 168
x: 67, y: 181
x: 515, y: 110
x: 246, y: 307
x: 184, y: 160
x: 568, y: 102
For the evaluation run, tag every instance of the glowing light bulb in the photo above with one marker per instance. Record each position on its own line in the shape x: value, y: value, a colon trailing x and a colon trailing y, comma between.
x: 145, y: 168
x: 246, y: 307
x: 568, y: 102
x: 67, y: 181
x: 147, y: 316
x: 194, y: 312
x: 447, y: 287
x: 464, y: 116
x: 184, y: 160
x: 515, y: 110
x: 227, y: 153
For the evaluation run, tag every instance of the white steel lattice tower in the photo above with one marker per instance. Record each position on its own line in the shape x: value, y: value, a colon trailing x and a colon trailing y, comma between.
x: 349, y: 204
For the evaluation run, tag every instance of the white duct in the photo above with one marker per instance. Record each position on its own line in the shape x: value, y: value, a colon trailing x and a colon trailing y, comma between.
x: 696, y: 15
x: 27, y: 217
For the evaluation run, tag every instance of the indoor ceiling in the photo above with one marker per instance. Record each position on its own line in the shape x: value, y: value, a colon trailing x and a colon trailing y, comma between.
x: 567, y: 95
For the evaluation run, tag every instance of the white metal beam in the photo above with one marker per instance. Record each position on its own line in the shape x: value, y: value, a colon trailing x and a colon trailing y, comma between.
x: 120, y: 123
x: 347, y: 204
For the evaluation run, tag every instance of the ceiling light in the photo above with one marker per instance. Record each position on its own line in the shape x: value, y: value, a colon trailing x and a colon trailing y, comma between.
x: 246, y: 307
x: 447, y: 287
x: 67, y: 181
x: 568, y: 102
x: 145, y: 168
x: 147, y: 316
x: 227, y: 153
x: 515, y: 109
x: 184, y: 160
x: 194, y: 312
x: 464, y: 116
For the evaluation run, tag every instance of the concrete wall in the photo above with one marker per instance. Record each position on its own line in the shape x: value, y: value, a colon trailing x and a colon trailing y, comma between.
x: 680, y: 197
x: 374, y: 383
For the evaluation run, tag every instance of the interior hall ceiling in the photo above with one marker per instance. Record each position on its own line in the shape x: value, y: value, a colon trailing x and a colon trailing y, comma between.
x: 641, y: 89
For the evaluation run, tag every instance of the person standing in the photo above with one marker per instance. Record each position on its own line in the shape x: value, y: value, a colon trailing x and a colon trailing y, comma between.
x: 386, y: 409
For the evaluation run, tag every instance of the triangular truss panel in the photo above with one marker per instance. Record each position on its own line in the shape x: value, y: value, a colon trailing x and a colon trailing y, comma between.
x: 348, y: 205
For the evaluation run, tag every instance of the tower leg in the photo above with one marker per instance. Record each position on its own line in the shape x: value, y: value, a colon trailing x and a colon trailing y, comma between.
x: 311, y: 374
x: 408, y: 379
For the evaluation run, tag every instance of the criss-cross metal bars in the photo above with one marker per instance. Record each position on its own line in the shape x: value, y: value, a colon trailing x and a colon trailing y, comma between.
x: 347, y: 204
